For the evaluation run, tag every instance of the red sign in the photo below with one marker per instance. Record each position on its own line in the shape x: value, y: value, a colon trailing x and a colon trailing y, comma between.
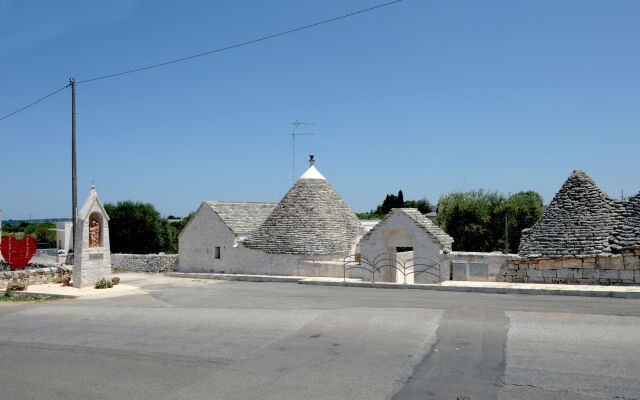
x: 18, y: 252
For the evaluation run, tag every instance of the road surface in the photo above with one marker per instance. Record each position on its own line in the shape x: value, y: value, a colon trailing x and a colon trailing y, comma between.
x: 191, y: 339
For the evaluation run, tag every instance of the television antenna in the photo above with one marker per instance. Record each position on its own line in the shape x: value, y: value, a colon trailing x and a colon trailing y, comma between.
x: 295, y: 131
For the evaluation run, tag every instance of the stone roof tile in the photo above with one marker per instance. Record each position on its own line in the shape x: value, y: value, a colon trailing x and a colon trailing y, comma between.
x: 579, y: 221
x: 311, y: 219
x: 242, y: 218
x: 627, y: 234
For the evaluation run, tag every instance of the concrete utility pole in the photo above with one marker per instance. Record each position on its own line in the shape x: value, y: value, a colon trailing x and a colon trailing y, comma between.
x: 74, y: 182
x: 506, y: 234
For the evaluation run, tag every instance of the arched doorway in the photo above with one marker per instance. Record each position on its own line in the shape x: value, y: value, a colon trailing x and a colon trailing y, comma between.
x: 398, y: 258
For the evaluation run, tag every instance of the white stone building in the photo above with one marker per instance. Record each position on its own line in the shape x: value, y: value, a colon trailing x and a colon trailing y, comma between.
x: 63, y: 235
x: 406, y: 230
x: 210, y: 240
x: 308, y: 233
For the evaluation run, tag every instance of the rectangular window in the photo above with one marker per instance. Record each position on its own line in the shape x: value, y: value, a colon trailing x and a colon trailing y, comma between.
x: 217, y: 252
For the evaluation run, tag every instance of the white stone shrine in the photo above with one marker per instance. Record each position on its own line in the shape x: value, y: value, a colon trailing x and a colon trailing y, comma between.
x: 92, y: 255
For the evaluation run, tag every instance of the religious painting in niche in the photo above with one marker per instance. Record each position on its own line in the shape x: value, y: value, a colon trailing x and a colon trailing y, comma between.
x: 94, y: 231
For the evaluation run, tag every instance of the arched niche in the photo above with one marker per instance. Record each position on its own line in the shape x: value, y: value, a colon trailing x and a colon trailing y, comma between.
x: 96, y: 225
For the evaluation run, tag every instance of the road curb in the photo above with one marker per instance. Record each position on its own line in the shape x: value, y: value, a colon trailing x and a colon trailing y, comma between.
x: 382, y: 285
x: 235, y: 277
x: 476, y: 289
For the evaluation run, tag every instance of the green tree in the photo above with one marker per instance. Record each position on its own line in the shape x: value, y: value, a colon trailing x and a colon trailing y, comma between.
x: 173, y: 230
x: 476, y: 219
x: 136, y: 228
x: 393, y: 201
x: 42, y: 233
x: 422, y: 205
x: 523, y: 210
x: 467, y: 218
x: 179, y: 225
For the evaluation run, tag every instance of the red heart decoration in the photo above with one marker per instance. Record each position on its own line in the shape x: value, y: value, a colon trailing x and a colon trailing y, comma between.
x: 18, y: 252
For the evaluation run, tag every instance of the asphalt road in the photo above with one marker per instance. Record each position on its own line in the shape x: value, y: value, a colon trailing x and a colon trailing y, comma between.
x: 189, y: 339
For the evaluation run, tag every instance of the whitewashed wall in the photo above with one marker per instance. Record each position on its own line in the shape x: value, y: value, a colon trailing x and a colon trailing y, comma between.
x: 206, y: 231
x: 198, y: 240
x: 91, y: 264
x: 401, y: 231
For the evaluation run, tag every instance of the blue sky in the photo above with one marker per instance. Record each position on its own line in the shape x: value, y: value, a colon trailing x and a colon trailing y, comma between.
x: 424, y: 96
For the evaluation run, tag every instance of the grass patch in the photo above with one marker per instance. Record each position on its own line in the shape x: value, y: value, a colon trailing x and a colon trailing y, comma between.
x: 11, y: 296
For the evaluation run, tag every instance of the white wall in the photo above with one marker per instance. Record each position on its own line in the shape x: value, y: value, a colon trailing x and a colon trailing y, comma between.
x: 493, y: 260
x: 197, y: 243
x: 398, y: 230
x: 63, y: 235
x: 206, y: 230
x: 90, y: 264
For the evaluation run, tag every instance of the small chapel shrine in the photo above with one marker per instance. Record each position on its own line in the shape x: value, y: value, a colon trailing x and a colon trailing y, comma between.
x: 92, y: 255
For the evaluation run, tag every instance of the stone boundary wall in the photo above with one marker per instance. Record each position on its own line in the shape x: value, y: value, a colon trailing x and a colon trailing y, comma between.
x: 144, y: 263
x: 494, y: 261
x: 621, y: 269
x: 35, y: 275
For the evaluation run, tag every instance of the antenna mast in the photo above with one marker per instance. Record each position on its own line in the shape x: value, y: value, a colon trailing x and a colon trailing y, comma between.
x: 295, y: 126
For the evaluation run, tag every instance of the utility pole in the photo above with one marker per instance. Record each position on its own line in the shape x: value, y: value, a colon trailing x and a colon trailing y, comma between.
x: 74, y: 182
x: 295, y: 125
x: 506, y: 235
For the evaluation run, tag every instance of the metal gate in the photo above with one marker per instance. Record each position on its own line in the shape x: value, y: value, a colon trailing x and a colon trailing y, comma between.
x: 406, y: 267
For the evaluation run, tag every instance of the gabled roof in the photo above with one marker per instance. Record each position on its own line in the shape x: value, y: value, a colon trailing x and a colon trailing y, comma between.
x: 579, y: 221
x: 627, y: 234
x: 311, y: 219
x: 421, y: 221
x: 241, y: 218
x: 88, y: 205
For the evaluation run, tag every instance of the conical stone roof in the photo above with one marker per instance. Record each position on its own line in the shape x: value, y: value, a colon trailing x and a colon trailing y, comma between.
x: 627, y: 234
x: 311, y: 219
x: 579, y: 221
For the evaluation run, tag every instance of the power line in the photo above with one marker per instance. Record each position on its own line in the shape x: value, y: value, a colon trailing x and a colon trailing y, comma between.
x: 219, y: 50
x: 233, y: 46
x: 35, y: 102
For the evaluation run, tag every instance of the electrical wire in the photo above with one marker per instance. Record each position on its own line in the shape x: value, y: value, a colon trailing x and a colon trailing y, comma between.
x: 234, y: 46
x: 219, y: 50
x: 35, y: 102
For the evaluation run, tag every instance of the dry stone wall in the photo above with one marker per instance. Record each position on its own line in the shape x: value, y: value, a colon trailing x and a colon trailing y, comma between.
x: 144, y: 262
x: 622, y: 269
x: 35, y: 275
x: 478, y: 266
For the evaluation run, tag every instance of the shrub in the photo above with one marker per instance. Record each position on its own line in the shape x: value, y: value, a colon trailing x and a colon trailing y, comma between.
x: 103, y: 284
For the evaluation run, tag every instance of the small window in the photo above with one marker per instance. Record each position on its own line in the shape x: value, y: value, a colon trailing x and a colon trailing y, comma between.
x: 217, y: 252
